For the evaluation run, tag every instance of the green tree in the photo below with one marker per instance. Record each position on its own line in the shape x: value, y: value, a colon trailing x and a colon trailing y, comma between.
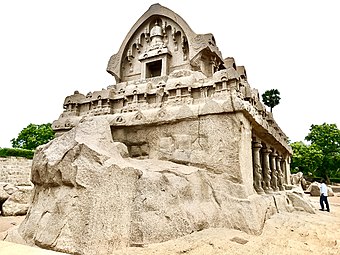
x: 32, y: 136
x: 306, y: 159
x: 326, y: 139
x: 271, y: 98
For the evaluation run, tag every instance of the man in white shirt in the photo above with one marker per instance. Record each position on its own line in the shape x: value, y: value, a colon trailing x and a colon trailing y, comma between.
x: 323, y: 196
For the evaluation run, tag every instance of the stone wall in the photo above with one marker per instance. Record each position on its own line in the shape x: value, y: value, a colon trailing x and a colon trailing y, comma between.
x: 15, y: 171
x: 212, y: 142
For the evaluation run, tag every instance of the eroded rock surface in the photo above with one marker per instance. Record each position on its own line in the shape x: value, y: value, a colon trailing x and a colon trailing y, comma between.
x: 18, y: 203
x: 88, y: 198
x: 14, y: 200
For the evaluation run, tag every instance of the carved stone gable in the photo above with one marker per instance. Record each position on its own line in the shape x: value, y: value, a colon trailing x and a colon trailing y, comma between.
x: 161, y: 42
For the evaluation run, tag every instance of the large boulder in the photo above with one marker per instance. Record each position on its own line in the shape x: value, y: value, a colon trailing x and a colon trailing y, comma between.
x: 336, y: 188
x: 18, y: 202
x: 89, y: 198
x: 10, y: 188
x: 298, y: 180
x: 330, y: 191
x: 3, y: 194
x: 299, y: 201
x: 14, y: 200
x: 314, y: 190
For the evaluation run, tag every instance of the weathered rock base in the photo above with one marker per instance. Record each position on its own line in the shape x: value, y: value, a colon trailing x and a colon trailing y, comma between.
x: 89, y: 199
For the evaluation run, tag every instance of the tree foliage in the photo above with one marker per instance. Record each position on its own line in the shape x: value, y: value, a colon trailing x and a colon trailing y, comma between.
x: 32, y: 136
x: 306, y: 159
x: 326, y: 138
x: 322, y: 157
x: 271, y: 98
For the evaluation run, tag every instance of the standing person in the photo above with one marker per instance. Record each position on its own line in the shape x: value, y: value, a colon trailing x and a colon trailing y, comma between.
x: 324, y: 195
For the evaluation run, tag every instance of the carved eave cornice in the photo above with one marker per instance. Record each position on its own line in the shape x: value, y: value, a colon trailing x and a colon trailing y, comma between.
x: 242, y: 71
x: 132, y: 89
x: 226, y: 74
x: 76, y: 98
x: 180, y: 79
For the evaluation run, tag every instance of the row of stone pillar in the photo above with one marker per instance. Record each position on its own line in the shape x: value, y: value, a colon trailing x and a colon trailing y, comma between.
x: 267, y: 169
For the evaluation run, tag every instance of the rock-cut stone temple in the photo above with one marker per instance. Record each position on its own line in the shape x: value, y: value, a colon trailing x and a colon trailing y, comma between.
x: 178, y: 144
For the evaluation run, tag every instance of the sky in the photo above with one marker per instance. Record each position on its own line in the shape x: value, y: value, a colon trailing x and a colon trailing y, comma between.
x: 49, y: 49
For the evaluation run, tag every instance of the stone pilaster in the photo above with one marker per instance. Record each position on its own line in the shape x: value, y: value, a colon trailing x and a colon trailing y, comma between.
x: 266, y: 171
x: 257, y: 169
x: 286, y: 169
x: 274, y: 178
x: 279, y: 173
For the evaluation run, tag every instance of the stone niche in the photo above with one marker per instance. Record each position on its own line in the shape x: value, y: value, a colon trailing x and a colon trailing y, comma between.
x: 179, y: 143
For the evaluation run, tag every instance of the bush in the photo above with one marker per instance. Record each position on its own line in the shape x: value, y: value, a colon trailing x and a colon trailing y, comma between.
x: 318, y: 179
x: 15, y: 152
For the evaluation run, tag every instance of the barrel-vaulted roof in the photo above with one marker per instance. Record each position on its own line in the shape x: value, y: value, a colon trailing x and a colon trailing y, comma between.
x: 196, y: 42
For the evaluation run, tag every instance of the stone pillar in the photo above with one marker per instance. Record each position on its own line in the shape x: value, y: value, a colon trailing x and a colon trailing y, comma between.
x: 257, y: 170
x: 286, y: 165
x: 76, y: 109
x: 279, y: 173
x: 135, y: 98
x: 266, y: 171
x: 178, y: 92
x: 107, y: 105
x: 273, y: 181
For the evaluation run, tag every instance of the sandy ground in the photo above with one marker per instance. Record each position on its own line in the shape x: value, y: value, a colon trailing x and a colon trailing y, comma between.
x: 285, y: 233
x: 8, y: 222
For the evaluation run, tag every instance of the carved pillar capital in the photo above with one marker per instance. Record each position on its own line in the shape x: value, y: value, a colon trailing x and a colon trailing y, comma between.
x: 266, y: 151
x: 273, y: 153
x: 257, y: 145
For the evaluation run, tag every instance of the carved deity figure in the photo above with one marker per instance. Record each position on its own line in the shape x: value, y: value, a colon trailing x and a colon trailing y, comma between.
x: 257, y: 170
x: 204, y: 92
x: 266, y: 171
x: 159, y: 96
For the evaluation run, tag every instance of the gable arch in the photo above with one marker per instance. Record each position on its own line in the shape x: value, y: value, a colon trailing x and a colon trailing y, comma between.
x: 183, y: 45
